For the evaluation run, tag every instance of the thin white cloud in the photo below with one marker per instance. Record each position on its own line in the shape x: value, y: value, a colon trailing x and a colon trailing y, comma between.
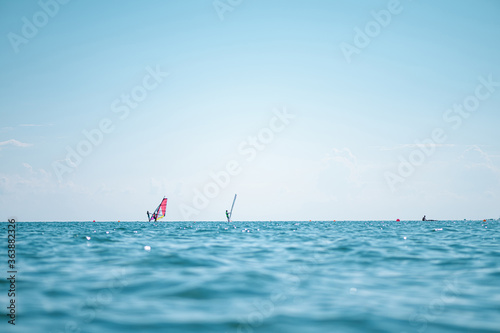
x: 347, y: 159
x: 7, y: 128
x: 475, y: 157
x: 415, y: 145
x: 344, y: 156
x: 10, y: 128
x: 28, y: 166
x: 15, y: 143
x: 32, y: 181
x: 475, y: 149
x: 34, y: 125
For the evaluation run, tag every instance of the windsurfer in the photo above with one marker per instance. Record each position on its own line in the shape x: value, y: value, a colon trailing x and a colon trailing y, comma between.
x: 423, y: 218
x: 160, y: 212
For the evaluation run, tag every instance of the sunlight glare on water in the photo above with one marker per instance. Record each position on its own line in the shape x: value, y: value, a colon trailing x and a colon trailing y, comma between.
x: 349, y: 276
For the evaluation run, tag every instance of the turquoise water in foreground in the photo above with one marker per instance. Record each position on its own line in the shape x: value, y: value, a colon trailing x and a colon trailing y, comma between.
x: 348, y: 276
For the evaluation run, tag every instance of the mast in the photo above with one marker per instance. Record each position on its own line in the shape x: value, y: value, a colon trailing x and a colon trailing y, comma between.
x: 156, y: 212
x: 231, y: 213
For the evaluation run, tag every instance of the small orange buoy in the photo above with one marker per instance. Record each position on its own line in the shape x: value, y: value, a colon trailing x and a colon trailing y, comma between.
x: 118, y: 220
x: 484, y: 220
x: 93, y: 221
x: 398, y: 220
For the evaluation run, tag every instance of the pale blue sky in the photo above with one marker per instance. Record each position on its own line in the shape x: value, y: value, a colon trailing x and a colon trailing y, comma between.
x: 353, y: 119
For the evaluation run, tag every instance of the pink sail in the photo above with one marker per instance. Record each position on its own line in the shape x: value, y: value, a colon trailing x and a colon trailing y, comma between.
x: 163, y: 207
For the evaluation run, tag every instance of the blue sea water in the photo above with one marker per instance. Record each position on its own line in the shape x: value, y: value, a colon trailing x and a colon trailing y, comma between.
x: 349, y: 276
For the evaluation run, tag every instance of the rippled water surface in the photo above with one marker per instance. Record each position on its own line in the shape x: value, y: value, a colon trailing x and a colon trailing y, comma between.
x: 255, y: 277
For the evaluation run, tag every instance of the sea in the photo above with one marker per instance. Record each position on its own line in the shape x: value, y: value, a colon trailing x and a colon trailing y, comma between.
x: 262, y: 276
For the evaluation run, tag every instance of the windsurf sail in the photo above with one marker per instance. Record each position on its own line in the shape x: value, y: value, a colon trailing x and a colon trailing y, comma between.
x: 160, y: 212
x: 231, y: 212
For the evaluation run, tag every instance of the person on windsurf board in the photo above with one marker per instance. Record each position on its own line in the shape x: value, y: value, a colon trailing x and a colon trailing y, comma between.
x: 159, y: 212
x: 229, y: 214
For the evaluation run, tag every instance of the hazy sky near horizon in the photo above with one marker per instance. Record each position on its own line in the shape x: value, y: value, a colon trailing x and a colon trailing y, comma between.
x: 321, y: 110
